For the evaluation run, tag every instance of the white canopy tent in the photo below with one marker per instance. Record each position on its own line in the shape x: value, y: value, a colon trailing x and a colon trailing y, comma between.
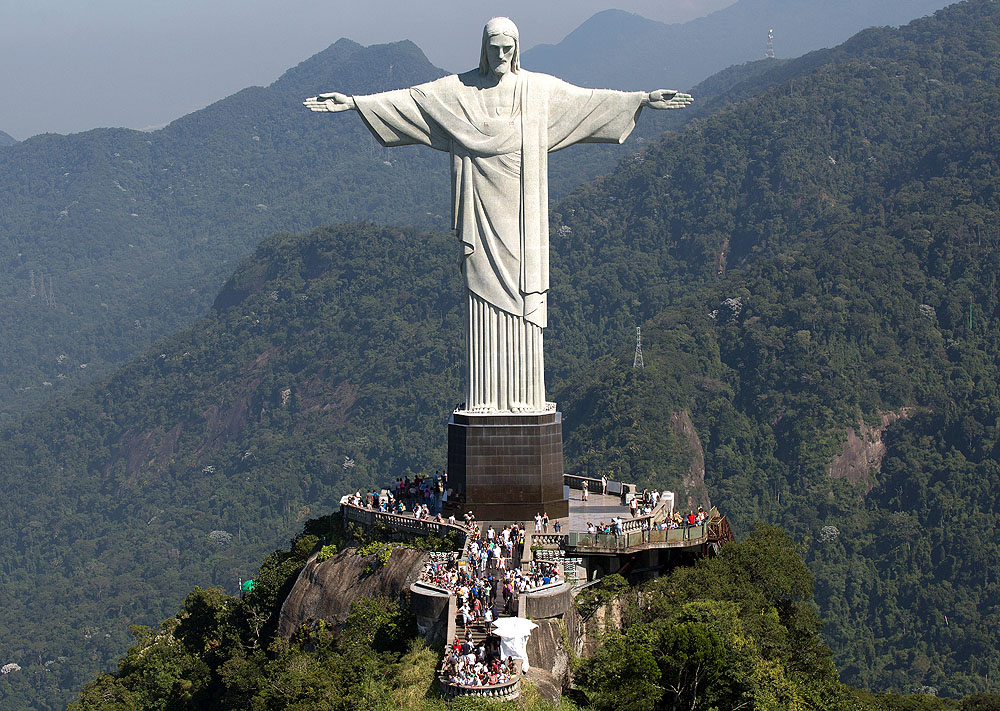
x: 514, y: 633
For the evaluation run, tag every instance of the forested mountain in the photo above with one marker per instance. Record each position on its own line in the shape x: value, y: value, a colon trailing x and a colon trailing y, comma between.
x: 801, y: 263
x: 194, y: 460
x: 832, y: 244
x: 6, y: 139
x: 113, y: 238
x: 621, y: 49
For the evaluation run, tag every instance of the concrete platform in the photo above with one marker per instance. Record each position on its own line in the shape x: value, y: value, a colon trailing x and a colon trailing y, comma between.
x: 598, y: 508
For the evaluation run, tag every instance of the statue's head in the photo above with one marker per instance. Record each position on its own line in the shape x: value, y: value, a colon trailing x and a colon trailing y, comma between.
x: 501, y: 53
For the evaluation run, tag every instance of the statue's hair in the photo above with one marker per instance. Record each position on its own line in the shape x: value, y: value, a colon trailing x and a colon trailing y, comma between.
x: 500, y: 26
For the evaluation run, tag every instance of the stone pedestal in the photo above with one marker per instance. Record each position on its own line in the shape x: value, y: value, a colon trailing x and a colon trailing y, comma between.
x: 506, y: 467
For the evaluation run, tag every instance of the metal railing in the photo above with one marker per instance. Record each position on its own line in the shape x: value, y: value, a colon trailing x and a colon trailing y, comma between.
x: 630, y: 538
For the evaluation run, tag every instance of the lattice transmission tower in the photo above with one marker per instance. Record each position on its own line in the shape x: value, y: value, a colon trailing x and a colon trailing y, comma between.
x: 637, y: 363
x: 769, y: 54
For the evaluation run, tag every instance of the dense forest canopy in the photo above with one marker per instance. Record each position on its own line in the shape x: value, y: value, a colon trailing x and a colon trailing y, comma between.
x: 818, y: 257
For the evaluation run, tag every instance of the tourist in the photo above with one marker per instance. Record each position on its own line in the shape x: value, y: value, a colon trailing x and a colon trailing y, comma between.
x: 586, y: 491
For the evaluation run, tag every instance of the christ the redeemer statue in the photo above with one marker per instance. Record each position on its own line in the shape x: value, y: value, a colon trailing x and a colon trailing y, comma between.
x: 499, y: 123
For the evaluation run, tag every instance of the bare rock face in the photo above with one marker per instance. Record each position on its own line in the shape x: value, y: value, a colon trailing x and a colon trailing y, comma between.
x: 695, y: 492
x: 325, y: 591
x: 864, y: 449
x: 549, y: 658
x: 587, y: 635
x: 549, y: 687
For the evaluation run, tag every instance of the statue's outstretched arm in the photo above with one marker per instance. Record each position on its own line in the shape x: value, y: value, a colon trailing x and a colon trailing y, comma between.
x: 666, y: 99
x: 332, y: 102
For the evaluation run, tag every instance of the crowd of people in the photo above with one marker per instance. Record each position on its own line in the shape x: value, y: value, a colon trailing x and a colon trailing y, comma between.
x: 420, y: 495
x: 469, y: 665
x: 489, y: 581
x: 677, y: 520
x: 493, y: 565
x: 643, y: 504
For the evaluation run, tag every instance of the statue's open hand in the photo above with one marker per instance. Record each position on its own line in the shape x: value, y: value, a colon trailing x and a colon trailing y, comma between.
x: 668, y: 99
x: 332, y: 102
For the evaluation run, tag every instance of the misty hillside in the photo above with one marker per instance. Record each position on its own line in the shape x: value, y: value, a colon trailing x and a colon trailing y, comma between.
x: 6, y: 139
x: 623, y: 50
x: 113, y: 238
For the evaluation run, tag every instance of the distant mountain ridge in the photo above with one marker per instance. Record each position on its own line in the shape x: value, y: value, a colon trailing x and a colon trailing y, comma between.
x: 623, y: 50
x: 6, y: 139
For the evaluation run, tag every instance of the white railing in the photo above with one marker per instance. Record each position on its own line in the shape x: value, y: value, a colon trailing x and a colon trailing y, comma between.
x: 508, y: 691
x: 369, y: 517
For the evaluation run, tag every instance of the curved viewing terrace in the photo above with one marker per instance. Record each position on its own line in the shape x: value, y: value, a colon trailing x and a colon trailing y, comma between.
x: 643, y: 532
x: 572, y: 544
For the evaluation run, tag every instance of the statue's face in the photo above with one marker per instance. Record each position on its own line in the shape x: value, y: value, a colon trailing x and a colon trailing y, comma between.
x: 500, y: 53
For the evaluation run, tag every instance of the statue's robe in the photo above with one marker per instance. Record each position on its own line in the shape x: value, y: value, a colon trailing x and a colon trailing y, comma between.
x: 500, y: 206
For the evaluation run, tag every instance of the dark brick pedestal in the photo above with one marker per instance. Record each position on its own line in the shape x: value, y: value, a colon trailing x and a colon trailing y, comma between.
x: 506, y: 467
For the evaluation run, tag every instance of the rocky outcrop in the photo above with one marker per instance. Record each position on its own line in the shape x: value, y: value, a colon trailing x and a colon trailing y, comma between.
x: 864, y: 449
x: 694, y: 493
x: 548, y: 655
x: 548, y: 685
x: 325, y: 591
x: 587, y: 635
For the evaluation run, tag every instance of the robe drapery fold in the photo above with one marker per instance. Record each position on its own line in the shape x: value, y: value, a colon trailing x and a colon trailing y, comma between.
x: 500, y: 198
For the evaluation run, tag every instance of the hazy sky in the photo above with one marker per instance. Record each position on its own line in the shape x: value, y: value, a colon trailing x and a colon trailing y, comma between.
x: 72, y: 65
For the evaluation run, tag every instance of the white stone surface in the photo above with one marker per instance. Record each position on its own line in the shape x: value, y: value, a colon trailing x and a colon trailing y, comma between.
x: 498, y: 123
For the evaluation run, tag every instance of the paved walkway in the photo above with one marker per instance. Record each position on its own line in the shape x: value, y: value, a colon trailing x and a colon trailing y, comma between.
x: 598, y: 508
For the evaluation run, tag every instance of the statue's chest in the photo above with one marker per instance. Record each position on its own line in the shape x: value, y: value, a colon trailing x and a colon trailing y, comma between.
x: 499, y: 103
x: 504, y: 126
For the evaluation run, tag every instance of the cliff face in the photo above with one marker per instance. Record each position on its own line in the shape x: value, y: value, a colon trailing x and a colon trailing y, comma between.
x: 695, y: 492
x: 864, y: 449
x: 326, y: 590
